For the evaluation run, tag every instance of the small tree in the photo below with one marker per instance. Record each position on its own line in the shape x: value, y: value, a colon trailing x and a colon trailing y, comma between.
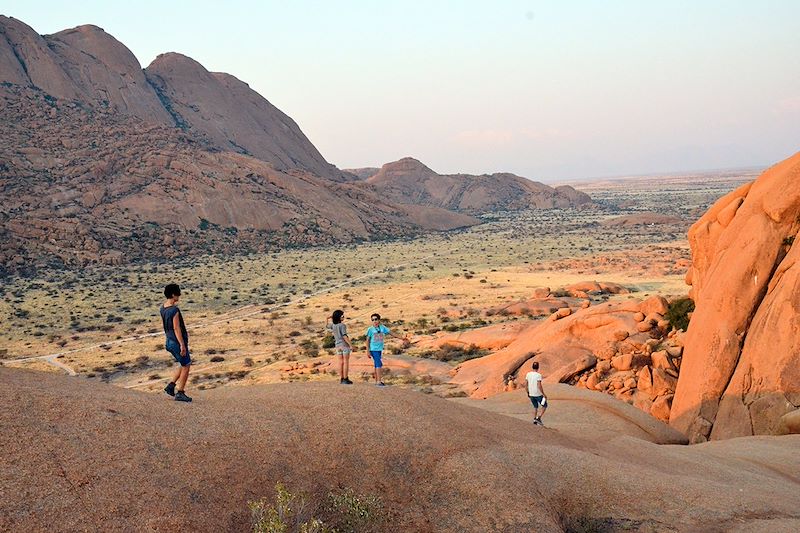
x: 678, y: 313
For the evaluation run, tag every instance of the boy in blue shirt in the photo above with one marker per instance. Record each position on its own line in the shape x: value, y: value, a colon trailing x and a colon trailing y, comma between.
x: 375, y: 337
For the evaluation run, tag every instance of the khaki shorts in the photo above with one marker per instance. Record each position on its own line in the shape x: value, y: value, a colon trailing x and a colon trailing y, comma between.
x: 343, y: 351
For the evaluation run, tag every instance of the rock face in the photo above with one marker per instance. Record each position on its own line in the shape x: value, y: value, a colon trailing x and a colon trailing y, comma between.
x: 408, y: 181
x: 741, y: 365
x: 233, y: 116
x: 107, y: 73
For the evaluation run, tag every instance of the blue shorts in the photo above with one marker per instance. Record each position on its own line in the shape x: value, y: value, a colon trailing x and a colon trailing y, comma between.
x: 376, y: 358
x: 175, y: 349
x: 538, y: 401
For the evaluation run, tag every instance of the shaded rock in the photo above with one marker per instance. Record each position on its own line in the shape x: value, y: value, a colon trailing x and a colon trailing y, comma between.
x: 408, y: 181
x: 541, y: 292
x: 661, y: 359
x: 572, y: 369
x: 661, y: 407
x: 789, y: 423
x: 655, y: 304
x: 622, y: 362
x: 663, y: 383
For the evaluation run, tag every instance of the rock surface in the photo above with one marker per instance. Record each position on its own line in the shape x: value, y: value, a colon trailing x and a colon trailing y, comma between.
x: 741, y: 361
x: 449, y: 466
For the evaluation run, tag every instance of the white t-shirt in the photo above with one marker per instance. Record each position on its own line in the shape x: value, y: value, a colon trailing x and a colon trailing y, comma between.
x: 534, y: 380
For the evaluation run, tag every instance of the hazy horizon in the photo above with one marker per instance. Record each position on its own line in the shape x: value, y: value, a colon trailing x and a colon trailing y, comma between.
x: 561, y: 92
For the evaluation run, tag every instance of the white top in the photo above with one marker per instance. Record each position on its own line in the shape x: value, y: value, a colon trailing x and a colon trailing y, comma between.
x: 534, y: 380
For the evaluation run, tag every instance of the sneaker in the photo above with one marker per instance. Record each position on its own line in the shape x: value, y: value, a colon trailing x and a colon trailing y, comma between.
x: 347, y: 381
x: 537, y: 422
x: 381, y: 384
x: 170, y: 389
x: 342, y: 381
x: 180, y: 396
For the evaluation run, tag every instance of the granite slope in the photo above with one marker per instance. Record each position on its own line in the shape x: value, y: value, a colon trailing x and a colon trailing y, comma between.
x: 85, y: 455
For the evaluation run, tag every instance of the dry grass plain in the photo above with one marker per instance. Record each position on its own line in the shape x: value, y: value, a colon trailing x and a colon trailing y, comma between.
x: 261, y: 318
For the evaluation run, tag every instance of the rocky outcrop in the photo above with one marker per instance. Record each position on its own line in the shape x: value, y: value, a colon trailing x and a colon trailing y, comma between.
x: 102, y: 162
x: 741, y: 368
x: 409, y: 181
x: 107, y: 73
x: 606, y: 347
x: 232, y: 116
x: 82, y: 185
x: 87, y: 65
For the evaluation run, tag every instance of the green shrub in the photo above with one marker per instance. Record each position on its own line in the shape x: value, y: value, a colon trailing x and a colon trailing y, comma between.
x: 351, y: 512
x: 452, y: 352
x: 291, y: 513
x: 328, y: 342
x: 678, y: 313
x: 341, y: 511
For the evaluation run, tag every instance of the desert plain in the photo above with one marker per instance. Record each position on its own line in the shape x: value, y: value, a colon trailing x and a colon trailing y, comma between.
x: 257, y: 316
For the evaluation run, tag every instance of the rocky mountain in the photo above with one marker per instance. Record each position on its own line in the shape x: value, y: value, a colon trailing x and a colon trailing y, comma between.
x: 233, y: 116
x: 408, y: 181
x: 102, y: 161
x: 88, y: 65
x: 741, y: 365
x: 80, y: 185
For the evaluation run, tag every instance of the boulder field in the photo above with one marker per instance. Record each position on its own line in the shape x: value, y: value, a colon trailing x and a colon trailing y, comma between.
x: 83, y: 455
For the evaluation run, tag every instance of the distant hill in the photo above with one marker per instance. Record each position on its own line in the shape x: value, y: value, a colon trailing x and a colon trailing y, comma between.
x: 102, y: 161
x: 408, y: 181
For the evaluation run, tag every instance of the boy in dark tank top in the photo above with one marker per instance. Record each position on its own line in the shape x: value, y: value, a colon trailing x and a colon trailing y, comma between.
x: 177, y: 342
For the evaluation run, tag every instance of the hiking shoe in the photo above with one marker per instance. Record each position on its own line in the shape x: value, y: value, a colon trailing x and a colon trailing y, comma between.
x: 537, y: 422
x: 170, y: 389
x: 180, y: 396
x: 347, y: 381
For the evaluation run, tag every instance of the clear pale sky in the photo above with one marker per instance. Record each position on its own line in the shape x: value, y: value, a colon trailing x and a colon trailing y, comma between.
x: 548, y: 90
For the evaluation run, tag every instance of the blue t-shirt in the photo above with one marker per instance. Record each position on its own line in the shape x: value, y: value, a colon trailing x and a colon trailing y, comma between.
x: 375, y: 336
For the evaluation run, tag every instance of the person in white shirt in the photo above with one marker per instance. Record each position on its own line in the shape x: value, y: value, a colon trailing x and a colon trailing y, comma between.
x: 536, y: 393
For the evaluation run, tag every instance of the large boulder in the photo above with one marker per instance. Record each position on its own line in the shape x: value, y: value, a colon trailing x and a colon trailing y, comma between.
x: 556, y: 345
x: 741, y: 363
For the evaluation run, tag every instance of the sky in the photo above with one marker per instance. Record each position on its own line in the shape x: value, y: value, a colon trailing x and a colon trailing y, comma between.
x: 548, y: 90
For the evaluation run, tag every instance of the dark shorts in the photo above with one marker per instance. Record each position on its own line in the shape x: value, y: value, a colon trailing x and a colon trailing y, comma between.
x: 538, y: 401
x: 175, y: 349
x: 376, y: 358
